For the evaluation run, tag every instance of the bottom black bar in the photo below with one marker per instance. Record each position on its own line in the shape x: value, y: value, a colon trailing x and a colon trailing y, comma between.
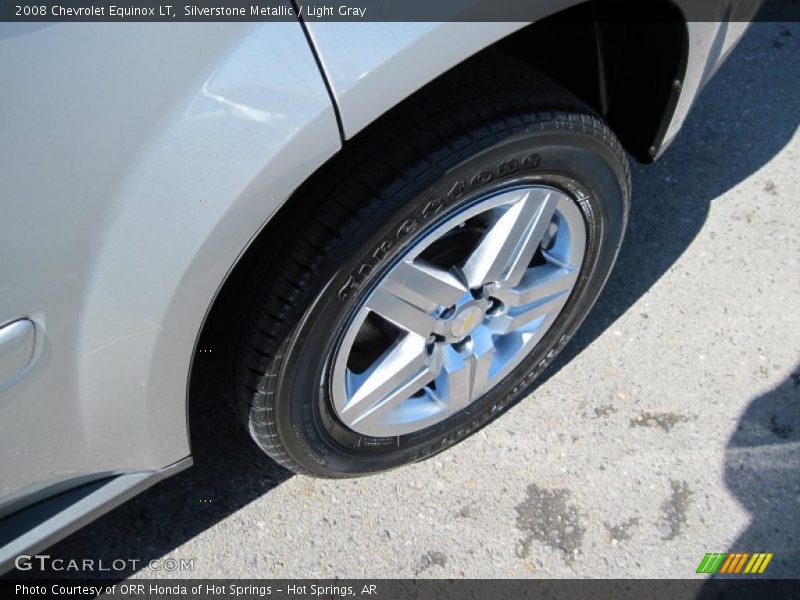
x: 385, y: 589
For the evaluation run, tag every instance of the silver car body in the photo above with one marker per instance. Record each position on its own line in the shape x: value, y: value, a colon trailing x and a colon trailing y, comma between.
x: 137, y: 163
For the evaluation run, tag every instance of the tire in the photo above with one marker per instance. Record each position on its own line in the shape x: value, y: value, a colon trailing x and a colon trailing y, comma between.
x: 494, y: 128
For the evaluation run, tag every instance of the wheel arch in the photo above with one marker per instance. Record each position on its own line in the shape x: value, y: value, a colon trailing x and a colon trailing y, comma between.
x: 620, y: 58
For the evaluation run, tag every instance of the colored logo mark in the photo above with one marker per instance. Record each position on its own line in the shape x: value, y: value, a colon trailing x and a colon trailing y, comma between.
x: 734, y: 562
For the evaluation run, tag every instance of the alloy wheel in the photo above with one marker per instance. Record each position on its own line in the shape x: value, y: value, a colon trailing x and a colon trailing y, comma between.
x: 458, y: 311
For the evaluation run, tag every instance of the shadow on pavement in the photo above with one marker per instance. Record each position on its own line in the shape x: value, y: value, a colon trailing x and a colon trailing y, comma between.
x: 762, y: 470
x: 744, y: 118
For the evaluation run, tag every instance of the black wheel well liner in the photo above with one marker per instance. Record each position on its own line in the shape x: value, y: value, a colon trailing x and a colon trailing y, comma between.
x: 626, y: 59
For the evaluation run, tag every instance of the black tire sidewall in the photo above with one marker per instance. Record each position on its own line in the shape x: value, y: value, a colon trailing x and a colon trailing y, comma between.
x: 577, y: 161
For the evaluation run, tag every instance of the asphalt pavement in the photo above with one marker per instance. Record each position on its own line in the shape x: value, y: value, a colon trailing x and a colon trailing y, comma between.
x: 669, y: 428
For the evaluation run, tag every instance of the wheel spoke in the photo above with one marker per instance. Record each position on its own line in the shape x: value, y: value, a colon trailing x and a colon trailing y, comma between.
x: 403, y: 370
x: 528, y: 316
x: 423, y: 285
x: 404, y: 315
x: 412, y: 292
x: 507, y: 247
x: 464, y: 377
x: 537, y: 283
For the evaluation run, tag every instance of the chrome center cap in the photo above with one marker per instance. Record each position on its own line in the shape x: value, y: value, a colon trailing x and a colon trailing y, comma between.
x: 466, y: 321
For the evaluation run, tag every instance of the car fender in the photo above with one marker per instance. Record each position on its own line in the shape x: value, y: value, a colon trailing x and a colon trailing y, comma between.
x: 138, y: 162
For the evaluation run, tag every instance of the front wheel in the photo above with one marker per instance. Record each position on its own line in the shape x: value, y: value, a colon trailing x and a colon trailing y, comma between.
x: 423, y: 280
